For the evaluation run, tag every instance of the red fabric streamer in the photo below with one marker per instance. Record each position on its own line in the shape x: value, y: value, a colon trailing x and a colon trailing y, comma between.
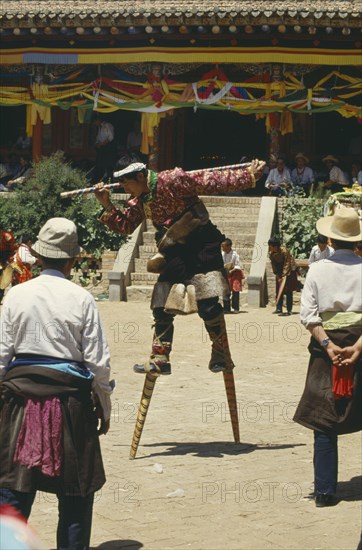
x: 342, y: 381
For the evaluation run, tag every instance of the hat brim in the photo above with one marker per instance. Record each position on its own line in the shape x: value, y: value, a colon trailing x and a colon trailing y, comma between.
x: 306, y: 159
x: 333, y: 159
x: 324, y: 227
x: 134, y: 167
x: 46, y: 251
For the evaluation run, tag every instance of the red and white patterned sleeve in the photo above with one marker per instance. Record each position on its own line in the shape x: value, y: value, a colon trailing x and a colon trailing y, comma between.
x: 124, y: 221
x: 203, y: 182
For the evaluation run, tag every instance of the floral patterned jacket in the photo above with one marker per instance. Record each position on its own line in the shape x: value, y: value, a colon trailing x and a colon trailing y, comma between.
x: 172, y: 192
x: 8, y: 247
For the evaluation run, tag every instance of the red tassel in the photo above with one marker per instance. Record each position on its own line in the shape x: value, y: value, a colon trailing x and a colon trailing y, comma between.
x: 342, y: 381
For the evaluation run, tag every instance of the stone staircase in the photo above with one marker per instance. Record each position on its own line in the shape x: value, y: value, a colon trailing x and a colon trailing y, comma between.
x: 236, y: 217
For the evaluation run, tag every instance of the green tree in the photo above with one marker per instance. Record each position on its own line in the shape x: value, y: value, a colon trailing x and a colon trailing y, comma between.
x: 37, y: 200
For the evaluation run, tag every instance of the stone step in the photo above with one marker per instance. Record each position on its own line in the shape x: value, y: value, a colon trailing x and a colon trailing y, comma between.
x: 235, y: 226
x: 247, y: 239
x: 141, y: 265
x: 143, y: 278
x: 148, y: 250
x: 243, y: 202
x: 140, y: 293
x: 232, y: 211
x: 144, y: 293
x: 214, y: 200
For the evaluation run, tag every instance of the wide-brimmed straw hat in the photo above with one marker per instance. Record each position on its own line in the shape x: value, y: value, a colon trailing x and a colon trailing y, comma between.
x: 344, y: 225
x: 331, y: 158
x: 58, y: 238
x: 301, y: 156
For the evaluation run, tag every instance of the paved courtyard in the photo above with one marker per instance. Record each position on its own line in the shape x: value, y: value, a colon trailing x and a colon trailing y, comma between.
x: 191, y: 487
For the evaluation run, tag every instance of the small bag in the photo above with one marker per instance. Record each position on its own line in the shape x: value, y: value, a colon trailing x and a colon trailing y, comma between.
x: 181, y: 300
x: 156, y: 264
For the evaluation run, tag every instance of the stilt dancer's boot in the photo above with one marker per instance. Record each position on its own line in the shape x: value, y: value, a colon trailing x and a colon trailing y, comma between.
x: 159, y: 361
x: 220, y: 353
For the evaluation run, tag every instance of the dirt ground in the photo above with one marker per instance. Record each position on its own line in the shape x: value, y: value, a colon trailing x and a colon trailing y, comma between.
x: 190, y: 485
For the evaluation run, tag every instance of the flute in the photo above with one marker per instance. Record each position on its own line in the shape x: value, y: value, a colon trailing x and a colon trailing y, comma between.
x: 86, y: 190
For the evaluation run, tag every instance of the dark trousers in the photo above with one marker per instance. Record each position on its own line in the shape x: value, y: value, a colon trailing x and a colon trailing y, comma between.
x: 75, y: 516
x: 208, y: 309
x: 235, y: 300
x: 289, y: 296
x: 325, y: 462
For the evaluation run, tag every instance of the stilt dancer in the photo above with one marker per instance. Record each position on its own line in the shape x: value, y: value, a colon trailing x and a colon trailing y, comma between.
x: 189, y: 261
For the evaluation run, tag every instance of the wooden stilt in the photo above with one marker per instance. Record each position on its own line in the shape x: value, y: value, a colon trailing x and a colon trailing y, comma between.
x: 233, y: 407
x: 147, y: 391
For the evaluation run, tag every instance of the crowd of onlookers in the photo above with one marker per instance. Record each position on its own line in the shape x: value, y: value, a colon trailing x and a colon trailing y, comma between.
x: 278, y: 179
x: 282, y: 181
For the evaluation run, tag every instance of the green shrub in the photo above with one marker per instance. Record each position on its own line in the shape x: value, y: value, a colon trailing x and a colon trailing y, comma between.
x: 298, y: 224
x: 37, y: 200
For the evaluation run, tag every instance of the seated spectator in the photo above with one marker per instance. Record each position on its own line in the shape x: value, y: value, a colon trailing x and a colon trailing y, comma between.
x: 355, y: 169
x: 302, y: 175
x: 12, y: 168
x: 336, y: 178
x: 3, y: 170
x: 134, y: 139
x: 359, y: 177
x: 23, y: 142
x: 321, y: 251
x: 279, y: 180
x: 23, y: 175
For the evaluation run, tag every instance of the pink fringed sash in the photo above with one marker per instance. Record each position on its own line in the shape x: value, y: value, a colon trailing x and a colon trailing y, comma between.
x: 39, y: 443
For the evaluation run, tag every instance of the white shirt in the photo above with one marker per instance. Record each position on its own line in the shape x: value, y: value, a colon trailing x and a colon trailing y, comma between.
x: 134, y: 140
x: 332, y: 285
x: 52, y: 316
x: 336, y: 175
x: 318, y: 254
x: 303, y: 177
x: 23, y: 142
x: 275, y: 177
x: 359, y: 177
x: 105, y: 133
x: 231, y: 257
x: 25, y: 256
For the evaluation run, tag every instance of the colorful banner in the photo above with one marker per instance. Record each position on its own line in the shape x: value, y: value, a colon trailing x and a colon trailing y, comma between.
x: 200, y: 54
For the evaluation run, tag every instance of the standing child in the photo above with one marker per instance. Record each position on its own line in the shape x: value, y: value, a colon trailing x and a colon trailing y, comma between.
x: 321, y: 251
x: 235, y: 275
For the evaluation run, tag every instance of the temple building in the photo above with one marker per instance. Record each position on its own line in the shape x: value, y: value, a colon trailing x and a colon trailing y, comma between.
x: 182, y: 82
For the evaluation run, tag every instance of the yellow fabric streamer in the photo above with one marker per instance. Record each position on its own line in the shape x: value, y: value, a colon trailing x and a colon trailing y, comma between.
x: 149, y: 122
x: 40, y: 91
x: 286, y: 123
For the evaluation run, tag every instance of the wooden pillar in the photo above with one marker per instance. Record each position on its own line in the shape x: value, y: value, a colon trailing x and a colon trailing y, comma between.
x: 274, y: 144
x: 37, y: 140
x: 153, y: 157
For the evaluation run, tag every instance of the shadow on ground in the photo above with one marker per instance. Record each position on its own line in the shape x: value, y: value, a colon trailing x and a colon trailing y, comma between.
x: 119, y: 544
x: 216, y: 449
x: 350, y: 490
